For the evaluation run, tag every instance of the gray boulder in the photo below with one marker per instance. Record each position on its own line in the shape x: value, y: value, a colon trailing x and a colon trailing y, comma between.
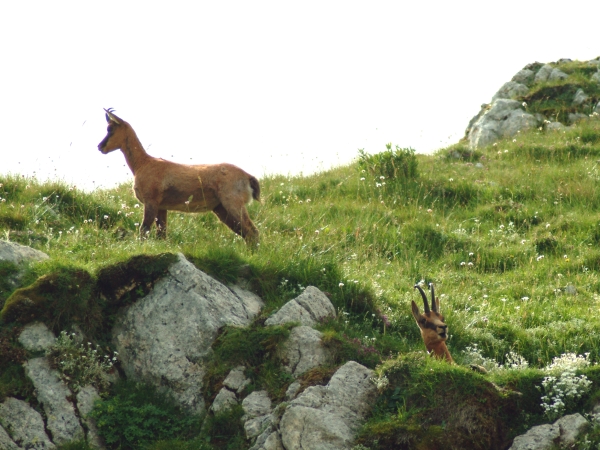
x: 6, y: 442
x: 256, y: 404
x: 511, y: 90
x: 304, y: 350
x: 504, y: 119
x: 19, y: 254
x: 562, y: 433
x: 86, y: 397
x: 580, y: 97
x: 24, y: 425
x: 308, y: 308
x: 524, y: 76
x: 36, y: 337
x: 544, y: 73
x: 327, y: 417
x: 549, y: 73
x: 236, y: 380
x: 596, y: 77
x: 53, y: 394
x: 164, y: 337
x: 224, y: 400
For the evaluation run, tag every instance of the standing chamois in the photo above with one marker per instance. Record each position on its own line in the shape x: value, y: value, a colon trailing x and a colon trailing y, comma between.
x: 433, y: 328
x: 164, y: 185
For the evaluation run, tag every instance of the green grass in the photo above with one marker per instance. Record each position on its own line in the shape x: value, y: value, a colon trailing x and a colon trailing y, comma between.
x: 511, y: 244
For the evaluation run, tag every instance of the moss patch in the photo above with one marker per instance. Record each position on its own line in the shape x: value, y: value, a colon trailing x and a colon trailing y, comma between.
x: 59, y: 299
x: 431, y: 404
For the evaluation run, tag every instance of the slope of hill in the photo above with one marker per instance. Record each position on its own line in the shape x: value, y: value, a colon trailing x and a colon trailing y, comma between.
x: 508, y: 233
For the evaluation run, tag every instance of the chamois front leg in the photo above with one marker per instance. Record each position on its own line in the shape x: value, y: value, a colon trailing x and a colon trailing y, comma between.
x: 161, y: 224
x: 150, y: 215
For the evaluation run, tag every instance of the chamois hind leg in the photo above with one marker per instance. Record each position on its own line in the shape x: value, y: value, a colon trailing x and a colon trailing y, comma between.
x: 161, y: 224
x: 150, y: 214
x: 239, y: 221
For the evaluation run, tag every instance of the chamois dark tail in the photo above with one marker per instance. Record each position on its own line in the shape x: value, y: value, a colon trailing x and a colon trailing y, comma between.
x: 255, y: 188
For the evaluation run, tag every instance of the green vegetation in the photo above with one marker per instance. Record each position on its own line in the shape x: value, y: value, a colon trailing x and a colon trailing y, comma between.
x: 136, y: 415
x: 509, y: 234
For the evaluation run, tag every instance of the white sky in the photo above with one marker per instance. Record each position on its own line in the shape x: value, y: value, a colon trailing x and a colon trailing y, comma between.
x: 273, y: 87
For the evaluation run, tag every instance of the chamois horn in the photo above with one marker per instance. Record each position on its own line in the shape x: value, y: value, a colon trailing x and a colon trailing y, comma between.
x: 433, y: 302
x: 111, y: 116
x: 425, y: 304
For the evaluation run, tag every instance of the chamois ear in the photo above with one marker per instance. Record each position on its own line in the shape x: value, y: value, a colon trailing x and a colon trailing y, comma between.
x: 415, y: 311
x: 110, y: 117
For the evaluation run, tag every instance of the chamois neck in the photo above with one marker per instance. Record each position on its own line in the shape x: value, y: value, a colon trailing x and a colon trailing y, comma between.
x: 440, y: 350
x: 134, y: 152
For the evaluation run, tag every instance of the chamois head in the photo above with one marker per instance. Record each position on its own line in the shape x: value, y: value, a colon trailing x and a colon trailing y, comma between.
x: 431, y: 323
x: 116, y: 133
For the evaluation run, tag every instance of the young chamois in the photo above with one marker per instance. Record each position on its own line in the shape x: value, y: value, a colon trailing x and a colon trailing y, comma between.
x: 164, y: 185
x: 433, y: 328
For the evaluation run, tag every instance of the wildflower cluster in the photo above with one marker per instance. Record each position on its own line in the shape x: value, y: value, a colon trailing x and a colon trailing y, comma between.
x: 80, y: 364
x: 562, y: 388
x: 514, y: 361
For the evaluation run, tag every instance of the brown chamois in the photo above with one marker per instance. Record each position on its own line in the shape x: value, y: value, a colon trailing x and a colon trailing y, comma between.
x: 433, y: 328
x: 164, y: 185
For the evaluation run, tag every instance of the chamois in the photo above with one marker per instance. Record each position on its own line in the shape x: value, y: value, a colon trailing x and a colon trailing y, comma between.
x: 433, y: 328
x: 163, y: 185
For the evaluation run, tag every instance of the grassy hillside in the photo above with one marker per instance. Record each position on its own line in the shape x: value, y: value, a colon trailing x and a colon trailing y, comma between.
x: 509, y: 235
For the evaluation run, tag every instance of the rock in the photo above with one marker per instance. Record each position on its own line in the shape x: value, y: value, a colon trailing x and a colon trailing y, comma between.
x: 327, y: 417
x: 570, y: 289
x: 224, y: 400
x: 256, y: 404
x: 571, y: 427
x: 524, y: 76
x: 503, y: 119
x: 24, y: 425
x: 576, y: 117
x: 580, y: 97
x: 252, y: 302
x: 292, y: 390
x: 557, y: 74
x: 257, y: 425
x: 555, y: 126
x: 36, y: 337
x: 236, y: 380
x: 52, y: 393
x: 511, y: 90
x: 543, y: 74
x: 596, y: 77
x: 163, y: 337
x: 268, y: 440
x: 86, y: 397
x: 541, y: 437
x: 308, y: 308
x: 563, y: 433
x: 19, y: 254
x: 597, y: 108
x: 6, y: 442
x: 304, y: 350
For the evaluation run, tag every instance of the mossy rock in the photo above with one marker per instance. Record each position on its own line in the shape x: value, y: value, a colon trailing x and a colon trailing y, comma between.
x: 430, y: 404
x: 58, y: 299
x: 125, y: 282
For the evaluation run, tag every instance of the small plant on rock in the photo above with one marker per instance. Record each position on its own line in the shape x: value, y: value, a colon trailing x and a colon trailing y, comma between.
x: 80, y: 364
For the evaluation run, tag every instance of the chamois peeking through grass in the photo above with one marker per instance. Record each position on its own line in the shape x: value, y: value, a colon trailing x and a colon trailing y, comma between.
x: 433, y: 328
x: 163, y: 185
